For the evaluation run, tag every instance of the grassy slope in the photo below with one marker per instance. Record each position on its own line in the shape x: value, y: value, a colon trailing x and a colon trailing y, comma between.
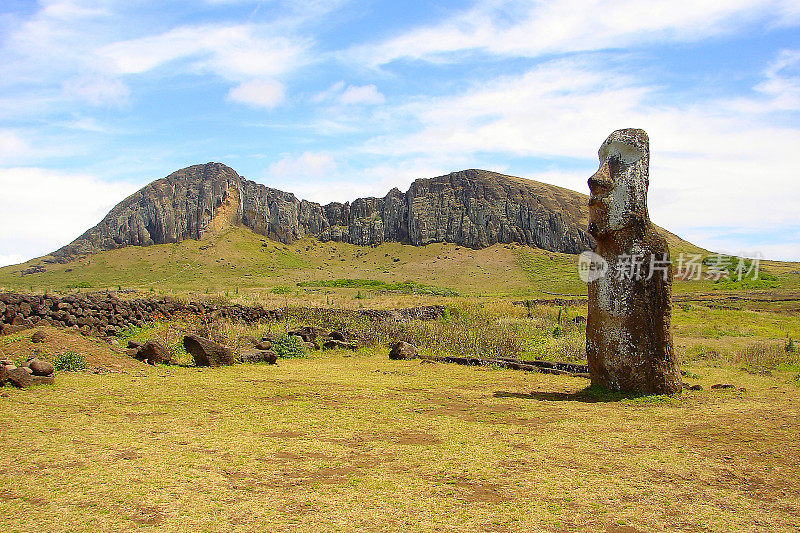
x: 235, y: 258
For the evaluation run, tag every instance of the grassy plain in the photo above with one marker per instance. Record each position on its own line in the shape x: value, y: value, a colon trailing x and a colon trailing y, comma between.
x: 350, y: 441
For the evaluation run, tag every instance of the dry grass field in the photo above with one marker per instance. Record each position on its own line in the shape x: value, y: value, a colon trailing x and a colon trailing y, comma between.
x: 359, y: 443
x: 351, y: 441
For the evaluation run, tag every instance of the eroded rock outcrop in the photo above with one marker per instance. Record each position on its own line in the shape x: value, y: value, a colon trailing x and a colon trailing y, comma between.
x: 473, y: 208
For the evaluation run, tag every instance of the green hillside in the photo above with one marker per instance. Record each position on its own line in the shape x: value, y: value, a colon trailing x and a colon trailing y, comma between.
x: 237, y: 261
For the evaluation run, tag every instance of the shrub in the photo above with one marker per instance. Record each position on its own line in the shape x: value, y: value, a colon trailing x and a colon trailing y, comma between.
x: 288, y: 347
x: 790, y: 347
x: 280, y: 289
x: 69, y: 361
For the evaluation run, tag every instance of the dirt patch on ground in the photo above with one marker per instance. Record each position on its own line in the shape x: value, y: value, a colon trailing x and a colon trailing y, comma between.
x: 97, y: 353
x: 144, y: 515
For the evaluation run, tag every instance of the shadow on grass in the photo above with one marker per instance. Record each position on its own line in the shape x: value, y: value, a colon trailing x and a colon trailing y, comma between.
x: 587, y: 395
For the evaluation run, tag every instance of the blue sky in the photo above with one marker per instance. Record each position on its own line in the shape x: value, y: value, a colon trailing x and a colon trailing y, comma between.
x: 337, y: 99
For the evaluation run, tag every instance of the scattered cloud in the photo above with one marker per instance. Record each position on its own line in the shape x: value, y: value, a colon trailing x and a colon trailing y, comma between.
x: 258, y: 93
x: 12, y: 145
x: 12, y: 259
x: 303, y: 168
x: 519, y: 28
x: 366, y: 94
x: 52, y: 208
x: 235, y: 52
x: 98, y: 90
x: 340, y: 94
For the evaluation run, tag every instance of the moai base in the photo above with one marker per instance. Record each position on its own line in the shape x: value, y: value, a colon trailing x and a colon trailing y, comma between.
x: 628, y: 336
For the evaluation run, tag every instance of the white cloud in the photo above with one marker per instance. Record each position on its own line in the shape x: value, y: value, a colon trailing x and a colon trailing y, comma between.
x: 350, y: 95
x: 12, y: 146
x: 51, y: 208
x: 524, y: 28
x: 11, y: 259
x: 366, y: 94
x: 258, y: 93
x: 98, y: 90
x: 235, y: 52
x: 305, y: 167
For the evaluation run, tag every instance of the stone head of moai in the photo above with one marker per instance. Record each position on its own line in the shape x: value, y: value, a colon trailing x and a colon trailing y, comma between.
x: 628, y: 332
x: 619, y: 187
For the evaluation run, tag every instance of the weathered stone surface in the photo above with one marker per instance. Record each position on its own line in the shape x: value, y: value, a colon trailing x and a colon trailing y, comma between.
x: 307, y: 333
x: 19, y: 377
x: 38, y: 336
x: 251, y: 355
x: 207, y: 352
x: 41, y: 368
x: 332, y: 344
x: 42, y: 380
x: 474, y: 208
x: 403, y: 350
x: 154, y: 353
x: 263, y: 345
x: 628, y: 334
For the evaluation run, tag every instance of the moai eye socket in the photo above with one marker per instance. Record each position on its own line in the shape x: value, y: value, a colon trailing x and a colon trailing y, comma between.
x: 622, y: 152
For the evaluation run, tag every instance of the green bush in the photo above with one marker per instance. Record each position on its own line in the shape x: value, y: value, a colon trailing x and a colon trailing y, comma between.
x: 280, y: 289
x: 288, y: 347
x: 69, y: 361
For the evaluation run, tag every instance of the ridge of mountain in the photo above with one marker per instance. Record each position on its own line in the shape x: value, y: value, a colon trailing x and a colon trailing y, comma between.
x: 473, y: 208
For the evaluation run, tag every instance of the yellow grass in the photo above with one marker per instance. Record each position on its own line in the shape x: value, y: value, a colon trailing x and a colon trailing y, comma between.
x: 335, y: 443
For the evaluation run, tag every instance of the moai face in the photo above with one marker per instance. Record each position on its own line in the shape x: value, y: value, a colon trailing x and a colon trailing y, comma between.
x: 618, y: 190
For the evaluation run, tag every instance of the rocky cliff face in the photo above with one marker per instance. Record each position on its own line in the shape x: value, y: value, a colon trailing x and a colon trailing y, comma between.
x: 473, y: 208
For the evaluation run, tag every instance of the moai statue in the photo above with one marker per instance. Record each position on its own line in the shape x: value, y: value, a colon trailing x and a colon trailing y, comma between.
x: 628, y: 336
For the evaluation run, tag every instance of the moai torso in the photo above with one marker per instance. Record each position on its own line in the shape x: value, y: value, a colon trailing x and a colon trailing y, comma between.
x: 628, y: 336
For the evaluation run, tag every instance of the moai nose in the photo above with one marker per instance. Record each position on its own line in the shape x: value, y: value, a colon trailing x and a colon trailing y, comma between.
x: 601, y: 180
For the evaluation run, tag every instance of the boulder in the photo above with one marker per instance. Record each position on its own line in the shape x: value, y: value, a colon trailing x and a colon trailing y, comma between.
x: 332, y: 344
x: 41, y: 368
x: 154, y: 353
x: 257, y: 356
x: 42, y: 380
x: 207, y: 352
x: 134, y: 344
x: 38, y: 336
x: 403, y: 350
x: 337, y: 335
x: 19, y: 377
x: 307, y: 333
x: 263, y: 345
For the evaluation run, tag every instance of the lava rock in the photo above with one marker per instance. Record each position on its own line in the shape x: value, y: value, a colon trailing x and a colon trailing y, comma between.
x: 41, y: 368
x: 207, y: 352
x: 38, y: 336
x: 154, y: 353
x: 258, y: 356
x: 19, y: 377
x: 332, y: 344
x: 403, y: 350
